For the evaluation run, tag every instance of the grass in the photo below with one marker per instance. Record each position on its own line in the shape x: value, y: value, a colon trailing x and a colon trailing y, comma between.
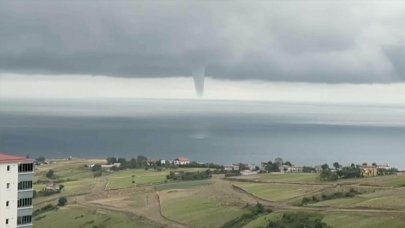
x: 391, y: 199
x: 139, y: 177
x: 340, y: 220
x: 76, y: 216
x: 277, y: 192
x: 198, y: 211
x: 261, y: 221
x: 211, y: 202
x: 306, y: 178
x: 73, y: 169
x: 182, y: 184
x: 383, y: 181
x: 125, y: 179
x: 363, y: 221
x: 80, y: 179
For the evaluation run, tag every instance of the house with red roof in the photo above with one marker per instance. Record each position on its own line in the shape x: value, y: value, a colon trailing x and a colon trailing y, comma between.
x: 181, y: 161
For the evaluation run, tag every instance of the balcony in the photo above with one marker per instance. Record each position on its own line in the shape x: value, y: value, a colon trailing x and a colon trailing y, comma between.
x: 26, y: 168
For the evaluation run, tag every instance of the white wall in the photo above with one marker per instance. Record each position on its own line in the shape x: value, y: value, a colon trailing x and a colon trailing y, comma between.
x: 10, y: 195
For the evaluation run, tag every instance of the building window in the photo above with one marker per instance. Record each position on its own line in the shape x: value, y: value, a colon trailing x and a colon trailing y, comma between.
x: 7, y: 203
x: 24, y: 185
x: 23, y: 220
x: 8, y: 185
x: 25, y: 202
x: 27, y: 167
x: 6, y: 221
x: 8, y: 168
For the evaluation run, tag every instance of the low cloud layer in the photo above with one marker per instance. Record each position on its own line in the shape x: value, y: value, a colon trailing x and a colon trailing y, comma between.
x: 308, y: 41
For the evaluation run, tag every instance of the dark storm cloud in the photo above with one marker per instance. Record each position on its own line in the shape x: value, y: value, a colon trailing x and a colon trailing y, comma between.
x: 322, y: 41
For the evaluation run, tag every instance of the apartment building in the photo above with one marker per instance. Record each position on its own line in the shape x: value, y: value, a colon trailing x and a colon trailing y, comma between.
x: 16, y: 174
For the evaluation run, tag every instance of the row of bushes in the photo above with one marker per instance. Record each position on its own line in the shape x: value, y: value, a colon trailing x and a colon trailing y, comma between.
x: 232, y: 173
x: 181, y: 175
x: 61, y: 202
x: 298, y: 220
x: 255, y: 211
x: 336, y: 195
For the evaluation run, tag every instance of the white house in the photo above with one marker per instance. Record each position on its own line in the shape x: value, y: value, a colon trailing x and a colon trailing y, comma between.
x: 110, y: 166
x: 248, y: 172
x: 252, y: 167
x: 181, y: 161
x: 384, y: 166
x: 231, y: 167
x: 16, y: 191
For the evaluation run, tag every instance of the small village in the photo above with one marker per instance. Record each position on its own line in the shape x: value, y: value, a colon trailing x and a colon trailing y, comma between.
x: 278, y: 166
x: 250, y: 191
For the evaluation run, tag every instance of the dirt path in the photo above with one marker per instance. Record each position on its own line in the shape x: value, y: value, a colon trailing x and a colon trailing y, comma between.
x: 138, y: 202
x: 280, y: 206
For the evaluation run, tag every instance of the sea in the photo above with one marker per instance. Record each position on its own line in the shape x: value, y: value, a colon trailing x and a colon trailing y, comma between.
x: 223, y: 132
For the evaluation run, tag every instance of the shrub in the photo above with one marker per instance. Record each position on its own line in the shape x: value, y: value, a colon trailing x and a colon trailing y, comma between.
x: 50, y: 173
x: 98, y: 173
x: 96, y: 167
x: 62, y: 201
x: 46, y: 208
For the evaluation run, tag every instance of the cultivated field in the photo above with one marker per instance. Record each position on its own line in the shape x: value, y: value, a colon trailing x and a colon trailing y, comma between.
x: 145, y: 198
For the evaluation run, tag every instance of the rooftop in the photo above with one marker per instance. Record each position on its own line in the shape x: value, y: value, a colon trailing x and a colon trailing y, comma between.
x: 5, y: 158
x: 182, y: 159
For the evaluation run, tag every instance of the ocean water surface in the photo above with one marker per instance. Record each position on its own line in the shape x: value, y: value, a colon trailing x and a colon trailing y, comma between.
x: 221, y: 132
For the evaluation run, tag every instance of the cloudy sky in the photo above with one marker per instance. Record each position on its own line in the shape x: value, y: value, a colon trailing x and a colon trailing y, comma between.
x: 296, y: 79
x: 342, y: 51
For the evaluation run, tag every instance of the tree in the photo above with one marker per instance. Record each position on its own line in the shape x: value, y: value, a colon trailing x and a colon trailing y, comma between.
x: 96, y: 167
x: 243, y: 166
x: 40, y: 159
x: 349, y: 172
x: 278, y: 161
x: 364, y: 164
x: 307, y: 169
x: 141, y: 158
x: 98, y: 173
x: 374, y: 164
x: 325, y: 166
x: 287, y: 163
x: 336, y: 165
x: 274, y: 167
x: 62, y: 201
x: 327, y: 175
x: 111, y: 160
x: 50, y: 173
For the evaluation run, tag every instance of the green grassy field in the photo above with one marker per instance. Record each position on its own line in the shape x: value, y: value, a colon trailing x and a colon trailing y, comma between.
x: 77, y: 216
x: 363, y: 221
x: 182, y: 184
x: 263, y: 220
x: 199, y: 211
x: 74, y: 170
x: 306, y: 178
x: 125, y: 178
x: 383, y: 181
x: 340, y: 220
x: 76, y: 178
x: 277, y: 192
x: 390, y: 199
x: 210, y: 202
x: 139, y: 177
